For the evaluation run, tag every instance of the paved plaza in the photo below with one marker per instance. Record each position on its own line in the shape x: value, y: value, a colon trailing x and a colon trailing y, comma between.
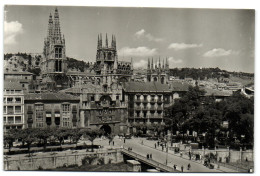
x: 140, y: 146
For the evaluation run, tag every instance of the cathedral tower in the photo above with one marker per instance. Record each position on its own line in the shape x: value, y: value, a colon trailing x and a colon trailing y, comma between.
x: 54, y: 66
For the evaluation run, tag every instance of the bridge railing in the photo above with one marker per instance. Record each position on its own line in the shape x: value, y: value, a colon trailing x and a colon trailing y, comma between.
x: 151, y: 162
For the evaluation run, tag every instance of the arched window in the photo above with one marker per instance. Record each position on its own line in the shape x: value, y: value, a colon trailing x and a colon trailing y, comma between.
x: 109, y: 56
x: 162, y: 80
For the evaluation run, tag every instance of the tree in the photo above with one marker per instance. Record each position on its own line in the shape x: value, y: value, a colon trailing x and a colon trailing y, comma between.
x: 9, y: 138
x: 43, y: 134
x: 76, y: 134
x: 92, y: 135
x: 27, y: 136
x: 60, y: 134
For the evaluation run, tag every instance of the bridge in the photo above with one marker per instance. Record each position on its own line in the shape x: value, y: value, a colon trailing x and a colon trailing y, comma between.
x: 150, y: 162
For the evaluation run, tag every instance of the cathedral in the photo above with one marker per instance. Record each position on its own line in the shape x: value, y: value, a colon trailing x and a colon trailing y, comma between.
x: 54, y: 65
x: 158, y: 73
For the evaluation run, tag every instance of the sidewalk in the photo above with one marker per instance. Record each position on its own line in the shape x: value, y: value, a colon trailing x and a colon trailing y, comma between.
x: 184, y: 156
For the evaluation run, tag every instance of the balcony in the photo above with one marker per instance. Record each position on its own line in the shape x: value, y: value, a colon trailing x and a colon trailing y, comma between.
x: 10, y: 112
x: 138, y: 108
x: 159, y: 108
x: 152, y: 101
x: 159, y: 101
x: 145, y: 101
x: 138, y: 100
x: 145, y: 108
x: 152, y: 108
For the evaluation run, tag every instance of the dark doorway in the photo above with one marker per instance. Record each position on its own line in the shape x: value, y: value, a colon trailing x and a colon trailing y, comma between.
x: 106, y: 129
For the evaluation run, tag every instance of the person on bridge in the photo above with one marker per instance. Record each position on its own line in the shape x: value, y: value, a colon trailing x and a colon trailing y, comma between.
x: 182, y: 168
x: 188, y: 168
x: 174, y: 167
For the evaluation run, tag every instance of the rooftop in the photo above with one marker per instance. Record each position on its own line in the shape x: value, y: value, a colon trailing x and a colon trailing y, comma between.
x: 12, y: 85
x: 215, y: 92
x: 18, y: 73
x: 179, y: 86
x: 50, y: 96
x: 146, y: 87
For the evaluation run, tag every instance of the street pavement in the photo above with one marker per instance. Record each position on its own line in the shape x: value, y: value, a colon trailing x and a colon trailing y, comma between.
x: 143, y: 147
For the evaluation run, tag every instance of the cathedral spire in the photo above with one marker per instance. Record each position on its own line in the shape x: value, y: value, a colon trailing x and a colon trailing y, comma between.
x: 159, y: 62
x: 115, y: 42
x: 152, y: 64
x: 57, y: 33
x: 106, y: 41
x: 163, y: 64
x: 50, y: 26
x: 112, y: 41
x: 100, y: 42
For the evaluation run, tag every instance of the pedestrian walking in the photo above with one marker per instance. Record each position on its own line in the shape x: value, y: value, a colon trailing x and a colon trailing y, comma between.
x: 182, y: 168
x: 188, y: 166
x: 174, y: 167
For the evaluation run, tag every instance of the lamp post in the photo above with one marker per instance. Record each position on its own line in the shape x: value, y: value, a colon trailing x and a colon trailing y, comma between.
x: 166, y: 148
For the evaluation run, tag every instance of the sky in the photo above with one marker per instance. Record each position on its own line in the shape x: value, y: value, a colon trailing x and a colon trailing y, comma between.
x: 187, y: 37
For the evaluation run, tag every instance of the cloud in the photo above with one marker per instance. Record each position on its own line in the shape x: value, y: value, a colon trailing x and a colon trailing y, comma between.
x: 173, y: 60
x: 219, y: 52
x: 143, y: 34
x: 140, y: 64
x: 182, y: 46
x: 141, y: 51
x: 11, y: 30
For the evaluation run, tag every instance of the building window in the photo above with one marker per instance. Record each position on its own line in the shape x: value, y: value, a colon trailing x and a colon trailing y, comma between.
x: 10, y: 120
x: 39, y: 115
x: 10, y: 110
x: 117, y: 97
x: 92, y: 98
x: 65, y: 115
x: 18, y: 109
x: 4, y: 109
x: 18, y: 119
x: 58, y: 52
x: 18, y: 100
x: 9, y: 100
x: 4, y: 119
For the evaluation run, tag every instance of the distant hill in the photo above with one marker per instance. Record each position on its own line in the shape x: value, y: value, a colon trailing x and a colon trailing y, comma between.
x: 31, y: 62
x: 212, y: 73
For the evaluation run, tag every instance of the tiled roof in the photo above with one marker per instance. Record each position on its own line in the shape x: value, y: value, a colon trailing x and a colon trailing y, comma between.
x: 146, y: 87
x: 18, y: 73
x: 179, y: 86
x: 215, y: 92
x: 50, y: 96
x: 13, y: 85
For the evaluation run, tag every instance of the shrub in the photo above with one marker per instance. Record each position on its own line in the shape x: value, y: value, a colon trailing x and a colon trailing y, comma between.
x: 88, y: 160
